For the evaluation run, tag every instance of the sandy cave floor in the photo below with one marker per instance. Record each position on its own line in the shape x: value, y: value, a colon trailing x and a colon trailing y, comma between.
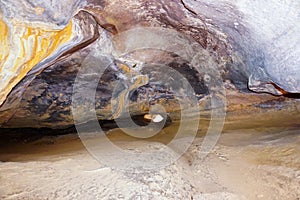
x: 257, y: 163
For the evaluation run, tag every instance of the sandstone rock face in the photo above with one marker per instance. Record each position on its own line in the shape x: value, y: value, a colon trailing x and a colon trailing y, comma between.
x: 239, y: 45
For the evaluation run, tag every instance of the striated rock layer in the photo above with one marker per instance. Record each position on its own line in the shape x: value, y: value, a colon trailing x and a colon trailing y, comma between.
x: 243, y: 46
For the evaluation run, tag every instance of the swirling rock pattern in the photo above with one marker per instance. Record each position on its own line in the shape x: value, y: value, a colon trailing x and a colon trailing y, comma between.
x: 45, y: 43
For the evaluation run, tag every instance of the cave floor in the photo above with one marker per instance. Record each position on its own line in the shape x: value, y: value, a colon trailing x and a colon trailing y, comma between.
x: 248, y: 162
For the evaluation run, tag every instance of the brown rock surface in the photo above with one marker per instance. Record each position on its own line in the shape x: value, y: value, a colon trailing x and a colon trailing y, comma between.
x: 223, y: 30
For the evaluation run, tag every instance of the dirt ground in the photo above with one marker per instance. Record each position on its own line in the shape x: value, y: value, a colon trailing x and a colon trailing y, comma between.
x: 257, y: 163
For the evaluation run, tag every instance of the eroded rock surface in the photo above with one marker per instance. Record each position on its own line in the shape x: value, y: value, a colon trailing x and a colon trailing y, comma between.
x: 242, y: 44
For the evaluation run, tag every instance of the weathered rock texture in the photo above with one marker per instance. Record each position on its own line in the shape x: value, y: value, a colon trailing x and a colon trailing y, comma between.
x: 253, y: 44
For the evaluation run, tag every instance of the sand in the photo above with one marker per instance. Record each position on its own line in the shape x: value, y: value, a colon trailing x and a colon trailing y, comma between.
x: 245, y: 164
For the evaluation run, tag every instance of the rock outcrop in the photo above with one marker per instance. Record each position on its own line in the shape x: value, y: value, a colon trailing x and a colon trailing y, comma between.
x: 240, y: 47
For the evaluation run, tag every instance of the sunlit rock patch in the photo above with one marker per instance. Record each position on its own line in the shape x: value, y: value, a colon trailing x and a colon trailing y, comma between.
x: 25, y: 44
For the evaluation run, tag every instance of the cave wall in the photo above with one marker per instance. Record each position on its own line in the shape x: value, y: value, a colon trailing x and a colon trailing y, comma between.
x: 253, y: 46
